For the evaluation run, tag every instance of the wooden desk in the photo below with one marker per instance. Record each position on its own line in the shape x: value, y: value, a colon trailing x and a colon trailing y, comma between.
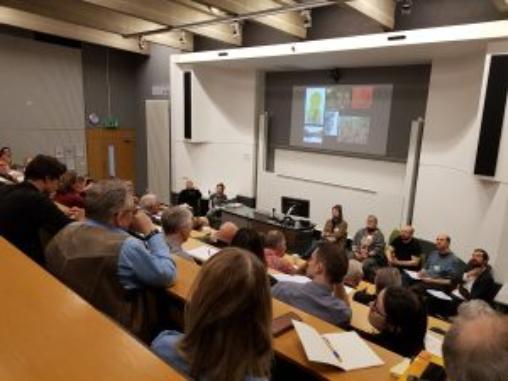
x: 419, y: 364
x: 288, y: 345
x: 48, y: 333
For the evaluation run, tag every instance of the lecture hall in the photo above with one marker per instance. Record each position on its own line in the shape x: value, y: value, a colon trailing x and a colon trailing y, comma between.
x: 254, y: 190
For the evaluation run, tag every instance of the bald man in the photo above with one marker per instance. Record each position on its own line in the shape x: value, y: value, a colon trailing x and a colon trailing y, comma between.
x: 404, y: 251
x: 442, y: 268
x: 476, y: 346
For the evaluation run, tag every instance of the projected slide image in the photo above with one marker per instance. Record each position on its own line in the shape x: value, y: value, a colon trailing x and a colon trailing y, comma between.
x: 313, y: 134
x: 338, y: 98
x: 362, y: 97
x: 315, y: 105
x: 331, y: 123
x: 354, y: 130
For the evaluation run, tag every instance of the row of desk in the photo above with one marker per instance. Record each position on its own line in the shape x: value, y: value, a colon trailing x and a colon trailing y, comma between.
x: 48, y: 333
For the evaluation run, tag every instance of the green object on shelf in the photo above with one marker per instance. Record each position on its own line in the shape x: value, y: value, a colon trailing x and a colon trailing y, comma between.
x: 111, y: 121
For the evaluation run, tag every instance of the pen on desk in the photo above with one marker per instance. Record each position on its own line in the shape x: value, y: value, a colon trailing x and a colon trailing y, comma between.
x: 335, y: 353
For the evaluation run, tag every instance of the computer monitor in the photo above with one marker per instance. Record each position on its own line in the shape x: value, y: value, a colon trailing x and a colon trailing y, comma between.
x: 300, y: 207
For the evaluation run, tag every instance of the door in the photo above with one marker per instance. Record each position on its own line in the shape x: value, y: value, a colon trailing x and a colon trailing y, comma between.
x: 111, y: 153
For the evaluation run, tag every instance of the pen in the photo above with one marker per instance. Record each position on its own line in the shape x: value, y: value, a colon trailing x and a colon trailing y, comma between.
x: 337, y: 356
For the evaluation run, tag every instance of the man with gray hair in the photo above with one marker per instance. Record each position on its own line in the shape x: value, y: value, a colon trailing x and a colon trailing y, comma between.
x: 150, y: 204
x: 109, y: 268
x: 177, y: 226
x: 476, y: 346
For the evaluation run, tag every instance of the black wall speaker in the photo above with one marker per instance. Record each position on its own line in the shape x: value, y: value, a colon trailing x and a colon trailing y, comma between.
x: 187, y: 105
x: 493, y: 117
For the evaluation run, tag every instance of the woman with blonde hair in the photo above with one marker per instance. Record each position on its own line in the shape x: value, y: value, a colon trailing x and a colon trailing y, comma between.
x: 227, y: 322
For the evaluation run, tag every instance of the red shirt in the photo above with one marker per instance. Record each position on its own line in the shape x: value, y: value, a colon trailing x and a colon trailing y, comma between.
x: 70, y: 199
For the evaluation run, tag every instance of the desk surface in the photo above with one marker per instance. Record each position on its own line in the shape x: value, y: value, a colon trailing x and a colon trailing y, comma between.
x: 288, y: 345
x: 48, y: 333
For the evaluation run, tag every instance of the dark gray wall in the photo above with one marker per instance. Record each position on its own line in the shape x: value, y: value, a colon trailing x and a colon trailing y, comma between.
x: 335, y: 21
x: 409, y: 99
x: 433, y: 13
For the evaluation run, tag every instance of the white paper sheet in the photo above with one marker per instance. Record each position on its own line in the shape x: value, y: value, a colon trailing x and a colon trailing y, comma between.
x: 203, y: 253
x: 457, y: 293
x: 434, y: 344
x: 413, y: 274
x: 314, y: 346
x: 354, y: 352
x: 439, y: 294
x: 291, y: 278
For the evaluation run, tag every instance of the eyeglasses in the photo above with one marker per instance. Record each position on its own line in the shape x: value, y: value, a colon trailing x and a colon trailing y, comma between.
x: 374, y: 308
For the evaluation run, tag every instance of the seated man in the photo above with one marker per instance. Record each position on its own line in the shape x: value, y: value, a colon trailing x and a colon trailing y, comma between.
x: 223, y: 236
x: 26, y: 208
x: 150, y: 204
x: 354, y: 274
x: 177, y: 226
x: 477, y: 281
x: 442, y: 268
x: 404, y: 251
x: 190, y: 196
x: 375, y: 240
x: 275, y: 249
x: 324, y: 296
x: 476, y: 346
x: 218, y: 198
x: 112, y: 270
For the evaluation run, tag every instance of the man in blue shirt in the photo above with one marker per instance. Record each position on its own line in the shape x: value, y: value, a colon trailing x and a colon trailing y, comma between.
x: 107, y: 266
x: 442, y: 268
x: 324, y: 296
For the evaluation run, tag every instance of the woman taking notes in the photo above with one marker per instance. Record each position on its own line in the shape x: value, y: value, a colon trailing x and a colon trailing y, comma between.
x: 227, y: 322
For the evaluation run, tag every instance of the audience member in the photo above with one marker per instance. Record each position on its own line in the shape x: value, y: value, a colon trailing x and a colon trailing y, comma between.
x: 275, y: 249
x: 218, y: 198
x: 26, y: 208
x: 401, y: 319
x: 177, y: 226
x: 251, y: 240
x: 200, y: 223
x: 100, y: 261
x: 324, y: 296
x: 190, y: 196
x: 227, y: 323
x: 223, y: 236
x: 5, y: 176
x: 376, y: 246
x: 404, y: 251
x: 150, y: 204
x: 6, y: 155
x: 70, y: 190
x: 442, y: 268
x: 475, y: 348
x: 335, y: 229
x: 385, y: 277
x: 477, y: 281
x: 354, y: 273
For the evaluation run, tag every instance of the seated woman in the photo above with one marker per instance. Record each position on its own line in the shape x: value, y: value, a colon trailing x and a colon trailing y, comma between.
x: 217, y: 344
x: 400, y: 317
x: 251, y: 240
x: 385, y: 277
x: 335, y: 229
x: 70, y: 190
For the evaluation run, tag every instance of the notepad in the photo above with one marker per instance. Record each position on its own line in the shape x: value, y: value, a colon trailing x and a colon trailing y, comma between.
x: 439, y: 294
x: 457, y: 294
x: 203, y: 253
x: 291, y: 278
x: 413, y: 274
x: 345, y: 350
x: 434, y: 344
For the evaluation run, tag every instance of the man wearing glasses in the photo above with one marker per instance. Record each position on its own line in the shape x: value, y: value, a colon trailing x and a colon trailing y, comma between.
x: 113, y: 270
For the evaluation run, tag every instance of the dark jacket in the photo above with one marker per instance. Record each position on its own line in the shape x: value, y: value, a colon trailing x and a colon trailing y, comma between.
x: 24, y: 212
x: 483, y: 287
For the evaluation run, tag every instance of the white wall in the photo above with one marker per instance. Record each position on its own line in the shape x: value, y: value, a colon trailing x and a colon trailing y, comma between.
x: 362, y: 186
x: 449, y: 197
x: 41, y: 100
x: 223, y: 118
